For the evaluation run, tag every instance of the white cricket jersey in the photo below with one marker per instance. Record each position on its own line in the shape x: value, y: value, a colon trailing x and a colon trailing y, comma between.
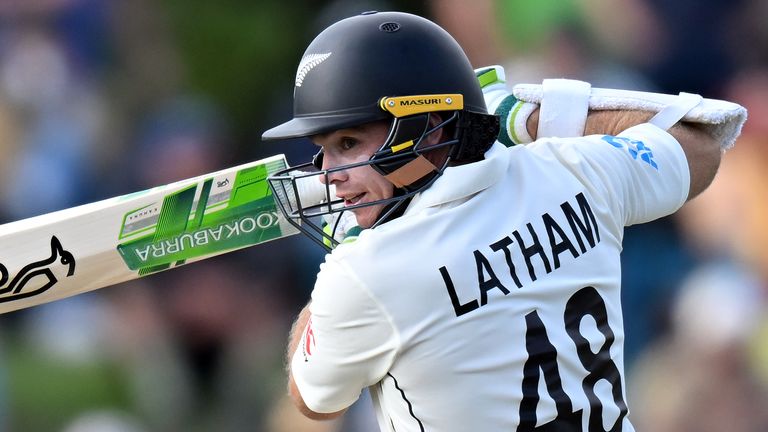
x: 493, y: 303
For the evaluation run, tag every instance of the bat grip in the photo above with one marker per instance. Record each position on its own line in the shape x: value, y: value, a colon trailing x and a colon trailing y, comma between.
x: 311, y: 190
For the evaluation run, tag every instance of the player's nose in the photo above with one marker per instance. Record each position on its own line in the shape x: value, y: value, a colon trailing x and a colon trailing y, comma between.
x: 331, y: 172
x: 333, y: 176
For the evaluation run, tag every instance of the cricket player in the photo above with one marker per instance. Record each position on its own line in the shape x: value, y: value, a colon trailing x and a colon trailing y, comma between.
x: 483, y: 293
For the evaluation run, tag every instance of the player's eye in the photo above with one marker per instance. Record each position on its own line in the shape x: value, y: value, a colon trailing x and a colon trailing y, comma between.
x: 347, y: 143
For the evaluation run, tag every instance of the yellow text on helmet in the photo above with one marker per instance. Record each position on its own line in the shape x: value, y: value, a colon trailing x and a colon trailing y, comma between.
x: 401, y: 106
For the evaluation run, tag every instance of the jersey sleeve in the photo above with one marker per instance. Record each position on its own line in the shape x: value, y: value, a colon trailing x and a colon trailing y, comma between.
x: 348, y: 344
x: 642, y: 172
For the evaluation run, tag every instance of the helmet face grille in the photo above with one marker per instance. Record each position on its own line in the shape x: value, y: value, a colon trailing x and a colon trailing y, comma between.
x: 389, y: 27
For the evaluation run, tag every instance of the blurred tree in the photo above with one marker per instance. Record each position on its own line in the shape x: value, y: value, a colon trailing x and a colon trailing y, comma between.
x: 239, y: 52
x: 244, y: 54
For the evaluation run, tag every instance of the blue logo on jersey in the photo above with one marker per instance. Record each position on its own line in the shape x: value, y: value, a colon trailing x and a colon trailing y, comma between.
x: 637, y: 149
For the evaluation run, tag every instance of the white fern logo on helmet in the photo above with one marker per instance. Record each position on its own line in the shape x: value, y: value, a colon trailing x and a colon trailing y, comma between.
x: 308, y: 62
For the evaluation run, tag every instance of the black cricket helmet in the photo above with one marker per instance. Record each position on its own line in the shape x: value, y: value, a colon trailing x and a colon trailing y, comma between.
x: 384, y: 66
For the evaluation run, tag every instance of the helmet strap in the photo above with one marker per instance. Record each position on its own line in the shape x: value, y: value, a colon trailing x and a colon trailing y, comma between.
x: 411, y: 172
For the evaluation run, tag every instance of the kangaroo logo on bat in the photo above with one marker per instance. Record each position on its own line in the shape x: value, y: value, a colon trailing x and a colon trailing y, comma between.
x: 37, y: 271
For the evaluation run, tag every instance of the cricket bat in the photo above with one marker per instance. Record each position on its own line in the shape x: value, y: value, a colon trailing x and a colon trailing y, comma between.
x: 72, y: 251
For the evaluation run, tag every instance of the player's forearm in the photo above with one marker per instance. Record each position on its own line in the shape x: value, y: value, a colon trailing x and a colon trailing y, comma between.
x: 293, y: 343
x: 295, y: 335
x: 294, y: 340
x: 604, y: 122
x: 702, y: 151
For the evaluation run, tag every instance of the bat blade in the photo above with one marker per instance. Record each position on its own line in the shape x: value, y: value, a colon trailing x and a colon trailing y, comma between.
x: 64, y: 253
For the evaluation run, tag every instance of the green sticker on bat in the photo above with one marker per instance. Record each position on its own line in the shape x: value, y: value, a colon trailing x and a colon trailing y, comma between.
x: 222, y: 213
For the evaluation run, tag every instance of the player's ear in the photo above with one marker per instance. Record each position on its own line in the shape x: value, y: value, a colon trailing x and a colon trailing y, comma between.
x: 438, y: 135
x: 437, y: 156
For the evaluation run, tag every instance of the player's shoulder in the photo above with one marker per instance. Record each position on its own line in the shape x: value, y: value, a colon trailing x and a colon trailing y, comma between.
x: 378, y: 250
x: 342, y: 276
x: 354, y: 259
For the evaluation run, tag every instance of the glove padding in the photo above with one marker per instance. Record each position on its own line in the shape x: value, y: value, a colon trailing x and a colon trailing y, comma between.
x: 563, y: 102
x: 513, y: 114
x: 723, y: 120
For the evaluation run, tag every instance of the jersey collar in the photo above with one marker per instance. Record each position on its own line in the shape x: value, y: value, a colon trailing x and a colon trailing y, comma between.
x: 463, y: 181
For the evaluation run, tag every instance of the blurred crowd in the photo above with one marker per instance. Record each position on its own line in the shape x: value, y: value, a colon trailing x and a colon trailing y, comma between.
x: 100, y: 98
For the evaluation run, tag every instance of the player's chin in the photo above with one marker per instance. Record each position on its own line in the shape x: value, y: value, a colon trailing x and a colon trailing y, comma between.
x: 367, y: 216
